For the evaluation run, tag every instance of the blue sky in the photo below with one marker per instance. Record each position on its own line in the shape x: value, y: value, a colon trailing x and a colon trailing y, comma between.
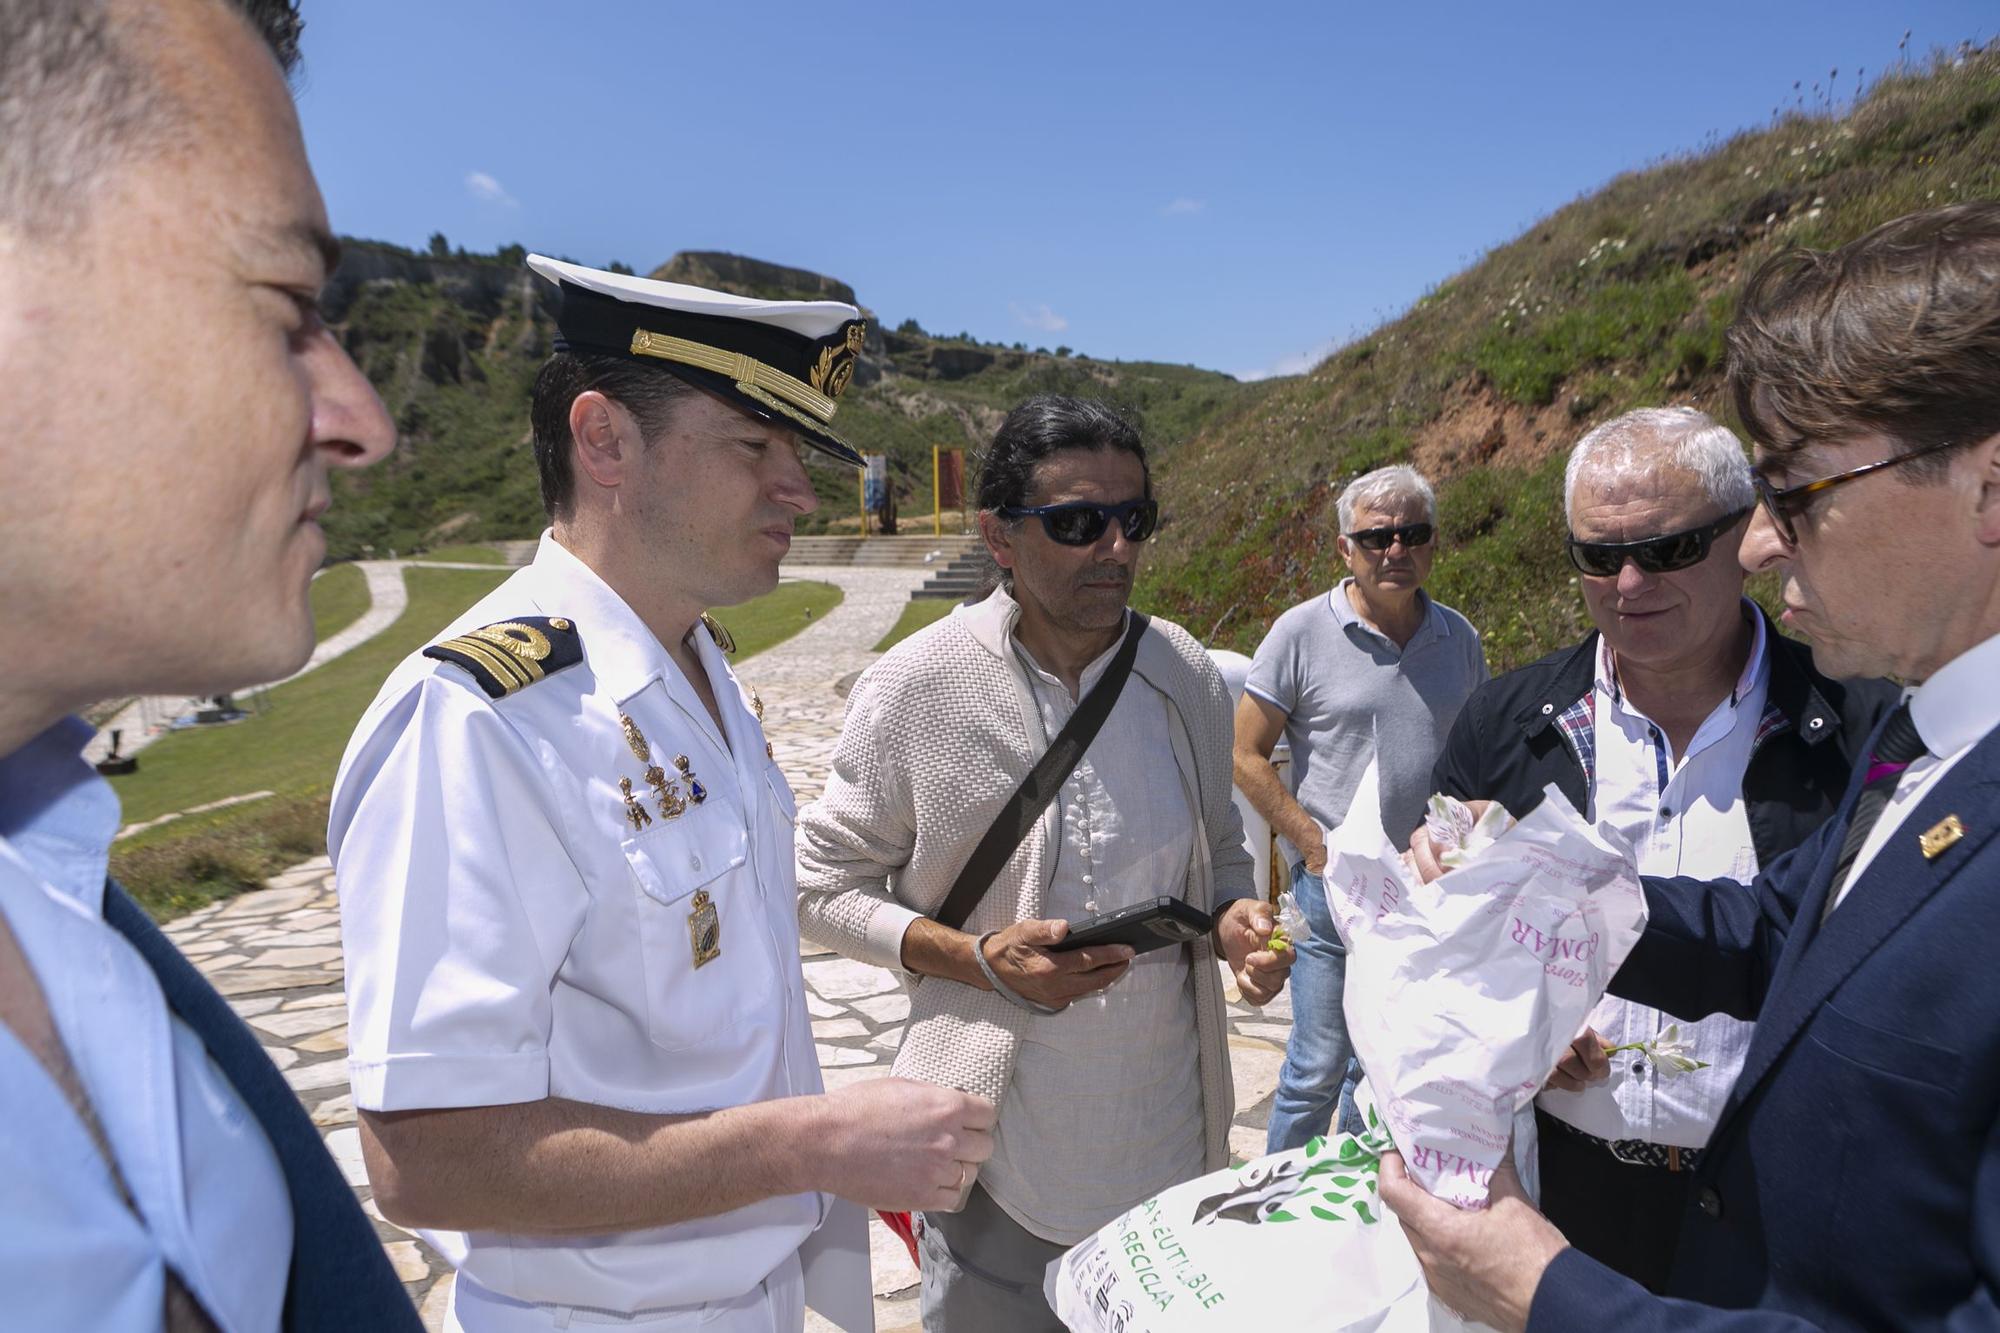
x: 1234, y: 185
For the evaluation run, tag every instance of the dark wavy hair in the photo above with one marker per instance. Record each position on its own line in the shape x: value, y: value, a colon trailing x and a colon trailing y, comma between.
x: 1897, y: 333
x: 1046, y: 424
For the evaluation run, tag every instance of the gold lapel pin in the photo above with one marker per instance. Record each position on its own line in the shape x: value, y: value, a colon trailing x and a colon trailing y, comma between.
x: 633, y: 810
x: 635, y: 740
x: 1941, y: 836
x: 696, y: 792
x: 757, y: 705
x: 666, y: 791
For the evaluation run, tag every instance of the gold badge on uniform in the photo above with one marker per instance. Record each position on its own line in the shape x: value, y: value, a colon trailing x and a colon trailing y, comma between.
x: 696, y: 792
x: 704, y: 929
x: 633, y: 810
x: 757, y: 705
x: 665, y: 790
x: 1940, y: 837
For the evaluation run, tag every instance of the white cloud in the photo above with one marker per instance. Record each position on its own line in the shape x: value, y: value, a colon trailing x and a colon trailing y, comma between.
x: 488, y: 190
x: 1297, y: 364
x: 1038, y: 317
x: 1183, y: 206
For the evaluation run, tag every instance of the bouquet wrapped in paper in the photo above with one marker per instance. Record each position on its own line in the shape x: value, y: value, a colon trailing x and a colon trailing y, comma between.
x: 1461, y: 995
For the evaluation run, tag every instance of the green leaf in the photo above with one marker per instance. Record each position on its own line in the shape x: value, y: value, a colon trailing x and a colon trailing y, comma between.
x: 1361, y: 1210
x: 1281, y: 1216
x: 1331, y: 1197
x: 1323, y: 1215
x: 1346, y: 1182
x: 1313, y: 1145
x: 1374, y: 1121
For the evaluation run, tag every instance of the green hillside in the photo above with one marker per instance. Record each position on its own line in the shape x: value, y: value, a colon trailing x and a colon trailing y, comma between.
x: 1618, y: 300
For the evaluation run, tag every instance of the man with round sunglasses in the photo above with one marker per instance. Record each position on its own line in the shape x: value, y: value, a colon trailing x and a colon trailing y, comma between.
x: 1688, y: 728
x: 1372, y: 672
x: 1110, y: 1070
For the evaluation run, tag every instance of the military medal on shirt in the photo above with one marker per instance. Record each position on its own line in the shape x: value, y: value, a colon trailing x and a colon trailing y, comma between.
x: 704, y: 924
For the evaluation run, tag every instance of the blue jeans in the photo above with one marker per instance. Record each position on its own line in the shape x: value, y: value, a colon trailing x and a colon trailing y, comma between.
x: 1319, y: 1071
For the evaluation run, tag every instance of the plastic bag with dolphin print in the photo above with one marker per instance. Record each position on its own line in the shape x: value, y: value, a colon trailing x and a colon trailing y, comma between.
x: 1255, y: 1246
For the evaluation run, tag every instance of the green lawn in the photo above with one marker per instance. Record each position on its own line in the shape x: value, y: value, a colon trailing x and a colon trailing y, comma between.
x: 464, y: 555
x: 293, y: 746
x: 777, y: 615
x: 915, y: 616
x: 339, y: 598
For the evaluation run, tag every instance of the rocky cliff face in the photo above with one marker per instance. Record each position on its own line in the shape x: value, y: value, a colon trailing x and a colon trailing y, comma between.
x: 751, y: 277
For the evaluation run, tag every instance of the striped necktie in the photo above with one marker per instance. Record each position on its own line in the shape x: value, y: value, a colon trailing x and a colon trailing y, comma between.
x: 1895, y: 749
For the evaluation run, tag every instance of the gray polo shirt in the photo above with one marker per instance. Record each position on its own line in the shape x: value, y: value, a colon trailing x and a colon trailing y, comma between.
x: 1349, y: 695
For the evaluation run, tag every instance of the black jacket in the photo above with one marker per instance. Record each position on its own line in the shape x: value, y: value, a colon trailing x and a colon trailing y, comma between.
x: 1506, y: 746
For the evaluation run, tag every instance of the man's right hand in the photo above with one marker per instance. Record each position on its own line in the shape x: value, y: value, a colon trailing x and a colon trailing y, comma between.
x: 1314, y: 856
x: 1585, y: 1063
x: 900, y: 1145
x: 1020, y: 957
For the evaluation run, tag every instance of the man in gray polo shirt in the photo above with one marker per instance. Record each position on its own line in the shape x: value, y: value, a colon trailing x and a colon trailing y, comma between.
x: 1372, y: 671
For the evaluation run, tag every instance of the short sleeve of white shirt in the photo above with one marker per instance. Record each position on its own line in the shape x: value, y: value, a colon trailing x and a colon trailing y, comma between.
x: 458, y: 902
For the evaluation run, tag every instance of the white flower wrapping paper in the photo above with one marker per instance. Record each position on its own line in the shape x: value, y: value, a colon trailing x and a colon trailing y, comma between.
x: 1462, y: 993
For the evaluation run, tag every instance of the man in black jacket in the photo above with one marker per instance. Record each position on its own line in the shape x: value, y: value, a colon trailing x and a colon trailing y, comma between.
x: 1686, y: 725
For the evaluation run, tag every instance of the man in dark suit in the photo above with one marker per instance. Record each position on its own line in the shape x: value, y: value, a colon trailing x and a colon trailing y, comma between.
x: 173, y: 405
x: 1853, y: 1179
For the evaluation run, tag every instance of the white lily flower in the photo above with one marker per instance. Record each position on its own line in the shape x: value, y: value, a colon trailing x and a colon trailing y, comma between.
x: 1668, y: 1052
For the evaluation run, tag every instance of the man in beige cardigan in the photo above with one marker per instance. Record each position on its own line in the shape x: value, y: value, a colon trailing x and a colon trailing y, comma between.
x: 1111, y: 1072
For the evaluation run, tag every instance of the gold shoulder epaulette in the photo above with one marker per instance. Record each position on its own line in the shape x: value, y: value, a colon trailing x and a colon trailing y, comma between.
x: 723, y: 639
x: 513, y: 653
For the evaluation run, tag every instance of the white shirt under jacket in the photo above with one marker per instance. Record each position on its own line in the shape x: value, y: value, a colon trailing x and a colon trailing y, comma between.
x: 1682, y: 815
x: 509, y: 937
x: 1952, y: 711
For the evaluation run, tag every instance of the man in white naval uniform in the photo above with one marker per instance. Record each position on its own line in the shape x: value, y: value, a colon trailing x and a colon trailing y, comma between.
x: 579, y: 1042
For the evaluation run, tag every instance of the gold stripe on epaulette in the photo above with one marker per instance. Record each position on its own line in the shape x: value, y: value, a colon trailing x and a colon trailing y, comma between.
x: 511, y: 651
x: 743, y: 369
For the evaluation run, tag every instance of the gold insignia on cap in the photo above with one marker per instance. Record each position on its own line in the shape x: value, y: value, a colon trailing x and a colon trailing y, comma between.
x: 1941, y: 836
x: 834, y: 370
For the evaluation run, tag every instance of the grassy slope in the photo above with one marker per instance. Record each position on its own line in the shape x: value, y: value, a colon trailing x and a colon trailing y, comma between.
x: 915, y: 616
x: 1616, y: 301
x: 339, y: 598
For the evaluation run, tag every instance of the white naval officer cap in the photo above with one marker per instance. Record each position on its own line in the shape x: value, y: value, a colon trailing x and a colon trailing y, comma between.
x: 781, y: 361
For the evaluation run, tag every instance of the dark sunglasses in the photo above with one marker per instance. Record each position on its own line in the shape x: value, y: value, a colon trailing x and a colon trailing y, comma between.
x: 1081, y: 523
x: 1785, y: 506
x: 1655, y: 555
x: 1381, y: 539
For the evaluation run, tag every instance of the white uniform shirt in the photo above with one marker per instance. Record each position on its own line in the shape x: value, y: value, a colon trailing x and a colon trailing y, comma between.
x: 1952, y: 711
x: 211, y: 1196
x: 510, y: 937
x: 1104, y: 1108
x: 1681, y: 815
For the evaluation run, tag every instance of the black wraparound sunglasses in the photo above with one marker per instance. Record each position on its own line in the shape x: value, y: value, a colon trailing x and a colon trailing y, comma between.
x: 1655, y: 555
x: 1784, y: 506
x: 1381, y: 539
x: 1080, y: 523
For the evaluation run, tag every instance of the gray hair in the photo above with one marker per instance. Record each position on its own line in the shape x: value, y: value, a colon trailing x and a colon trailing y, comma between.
x: 1372, y: 490
x: 1673, y: 437
x: 80, y: 95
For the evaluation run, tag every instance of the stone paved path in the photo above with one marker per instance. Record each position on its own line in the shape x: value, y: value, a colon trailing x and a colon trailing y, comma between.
x: 276, y: 955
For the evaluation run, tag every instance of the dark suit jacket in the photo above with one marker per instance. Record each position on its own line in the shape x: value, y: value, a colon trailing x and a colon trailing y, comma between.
x: 340, y: 1280
x: 1854, y: 1178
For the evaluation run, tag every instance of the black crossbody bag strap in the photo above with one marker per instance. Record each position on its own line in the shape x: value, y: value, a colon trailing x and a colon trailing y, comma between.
x: 1044, y: 780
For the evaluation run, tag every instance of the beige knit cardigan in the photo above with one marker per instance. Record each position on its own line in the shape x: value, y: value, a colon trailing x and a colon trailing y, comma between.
x: 938, y: 735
